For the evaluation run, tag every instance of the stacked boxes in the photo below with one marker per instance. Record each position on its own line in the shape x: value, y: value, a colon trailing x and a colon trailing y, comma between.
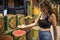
x: 35, y: 33
x: 29, y: 35
x: 11, y: 21
x: 19, y: 35
x: 28, y: 20
x: 6, y: 37
x: 1, y: 23
x: 20, y: 19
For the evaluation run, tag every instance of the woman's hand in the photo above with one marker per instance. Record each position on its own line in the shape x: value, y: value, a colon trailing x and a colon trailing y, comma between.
x: 21, y: 26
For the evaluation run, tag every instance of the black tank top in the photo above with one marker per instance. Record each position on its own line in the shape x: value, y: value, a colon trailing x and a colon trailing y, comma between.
x: 44, y: 23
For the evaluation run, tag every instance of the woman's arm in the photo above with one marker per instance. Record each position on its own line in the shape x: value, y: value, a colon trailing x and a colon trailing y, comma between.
x: 54, y: 23
x: 35, y: 22
x: 30, y: 25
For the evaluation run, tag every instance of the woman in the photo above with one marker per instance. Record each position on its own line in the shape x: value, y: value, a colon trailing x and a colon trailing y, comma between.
x: 45, y: 20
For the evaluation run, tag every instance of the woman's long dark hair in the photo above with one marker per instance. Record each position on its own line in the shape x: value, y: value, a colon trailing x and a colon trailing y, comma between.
x: 46, y: 4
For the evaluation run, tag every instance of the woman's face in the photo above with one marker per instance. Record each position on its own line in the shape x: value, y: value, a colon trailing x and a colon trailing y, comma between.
x: 44, y: 9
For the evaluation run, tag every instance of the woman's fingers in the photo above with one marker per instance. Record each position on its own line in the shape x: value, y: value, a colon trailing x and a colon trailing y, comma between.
x: 21, y: 26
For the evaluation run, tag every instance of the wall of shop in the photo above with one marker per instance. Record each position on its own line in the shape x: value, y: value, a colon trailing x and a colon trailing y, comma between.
x: 1, y: 6
x: 36, y: 9
x: 11, y: 3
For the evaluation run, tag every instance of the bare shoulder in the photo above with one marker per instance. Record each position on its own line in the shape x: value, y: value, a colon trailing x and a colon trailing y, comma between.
x: 53, y: 16
x: 53, y: 19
